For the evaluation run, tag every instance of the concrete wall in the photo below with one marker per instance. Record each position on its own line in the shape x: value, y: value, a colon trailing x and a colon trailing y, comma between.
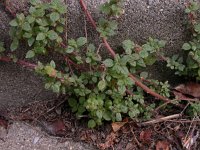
x: 162, y: 19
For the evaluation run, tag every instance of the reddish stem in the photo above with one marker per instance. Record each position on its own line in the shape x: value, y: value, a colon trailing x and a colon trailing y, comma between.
x: 148, y: 90
x: 137, y: 81
x: 8, y: 8
x: 20, y: 62
x: 109, y: 47
x: 95, y: 26
x: 88, y: 14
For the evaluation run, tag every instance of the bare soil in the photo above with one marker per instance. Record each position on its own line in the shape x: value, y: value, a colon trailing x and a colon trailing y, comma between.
x: 131, y: 136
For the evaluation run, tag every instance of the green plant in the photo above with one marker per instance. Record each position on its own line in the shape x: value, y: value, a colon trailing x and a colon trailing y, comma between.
x: 189, y: 66
x: 40, y: 29
x: 104, y: 89
x: 112, y: 8
x: 109, y: 100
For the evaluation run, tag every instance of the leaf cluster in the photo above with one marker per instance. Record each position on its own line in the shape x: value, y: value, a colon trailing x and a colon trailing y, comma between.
x: 189, y: 65
x: 99, y: 88
x: 41, y: 28
x: 112, y: 8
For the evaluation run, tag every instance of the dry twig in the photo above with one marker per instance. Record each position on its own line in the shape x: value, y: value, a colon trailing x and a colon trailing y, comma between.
x: 154, y: 121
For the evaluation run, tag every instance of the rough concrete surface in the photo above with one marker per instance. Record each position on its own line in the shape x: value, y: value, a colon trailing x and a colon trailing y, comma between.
x: 18, y: 85
x: 162, y: 19
x: 24, y: 137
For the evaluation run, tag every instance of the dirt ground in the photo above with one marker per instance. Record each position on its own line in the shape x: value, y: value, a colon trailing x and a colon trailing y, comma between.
x: 50, y: 124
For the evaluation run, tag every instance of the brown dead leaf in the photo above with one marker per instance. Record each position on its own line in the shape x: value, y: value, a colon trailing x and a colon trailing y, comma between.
x: 162, y: 145
x: 116, y: 126
x: 55, y: 128
x: 191, y: 88
x: 109, y: 141
x: 145, y: 136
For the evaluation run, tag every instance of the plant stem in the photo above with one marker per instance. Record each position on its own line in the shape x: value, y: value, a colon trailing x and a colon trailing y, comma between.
x: 112, y: 52
x: 148, y: 90
x: 6, y: 2
x: 20, y: 62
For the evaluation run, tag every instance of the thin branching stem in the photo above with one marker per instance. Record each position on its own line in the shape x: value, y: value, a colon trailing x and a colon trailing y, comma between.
x: 112, y: 52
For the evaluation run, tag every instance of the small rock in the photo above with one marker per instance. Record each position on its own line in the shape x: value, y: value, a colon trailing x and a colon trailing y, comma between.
x: 36, y: 139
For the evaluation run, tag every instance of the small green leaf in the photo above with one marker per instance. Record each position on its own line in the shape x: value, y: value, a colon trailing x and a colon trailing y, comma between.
x: 59, y: 29
x: 107, y: 115
x: 30, y: 54
x: 42, y: 22
x: 94, y: 79
x: 99, y: 114
x: 118, y: 117
x: 72, y: 102
x: 52, y: 35
x: 186, y: 46
x: 72, y: 43
x: 39, y: 50
x: 162, y: 43
x: 27, y: 35
x: 122, y: 89
x: 14, y: 45
x: 54, y: 16
x: 52, y: 63
x: 144, y: 75
x: 31, y: 41
x: 197, y: 28
x: 56, y: 88
x: 69, y: 49
x: 35, y: 2
x: 143, y: 53
x: 187, y: 10
x: 147, y: 48
x: 133, y: 113
x: 81, y: 41
x: 50, y: 71
x: 40, y: 37
x: 30, y: 19
x: 13, y: 23
x: 47, y: 85
x: 26, y: 26
x: 88, y: 60
x: 102, y: 85
x: 91, y: 123
x: 32, y: 10
x: 150, y: 60
x: 108, y: 62
x: 20, y: 17
x: 128, y: 45
x: 81, y: 109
